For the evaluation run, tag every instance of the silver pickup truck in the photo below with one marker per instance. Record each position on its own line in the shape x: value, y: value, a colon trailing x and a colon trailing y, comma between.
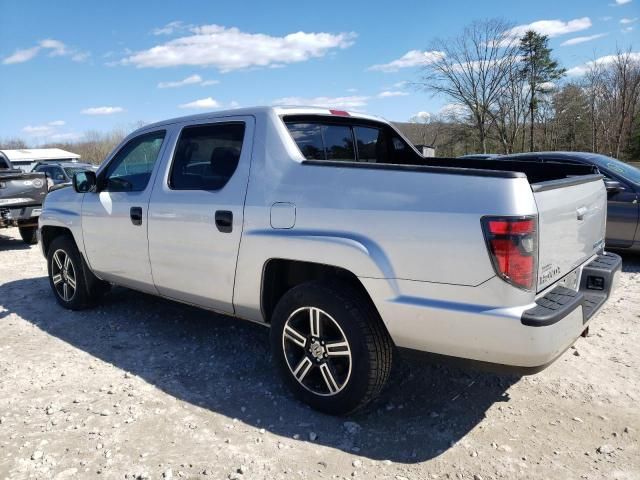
x: 333, y: 230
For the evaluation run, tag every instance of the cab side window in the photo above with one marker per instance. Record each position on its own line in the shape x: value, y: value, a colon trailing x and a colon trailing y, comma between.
x: 206, y: 156
x: 131, y: 168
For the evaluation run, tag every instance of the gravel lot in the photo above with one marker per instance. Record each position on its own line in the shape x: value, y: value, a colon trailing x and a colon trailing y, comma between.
x: 145, y: 388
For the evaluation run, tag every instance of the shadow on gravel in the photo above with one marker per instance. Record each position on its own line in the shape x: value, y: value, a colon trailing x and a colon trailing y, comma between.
x: 224, y: 365
x: 10, y: 243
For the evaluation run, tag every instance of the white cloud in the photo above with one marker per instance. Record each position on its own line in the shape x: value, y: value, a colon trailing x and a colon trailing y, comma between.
x: 620, y: 2
x: 603, y: 61
x: 413, y: 58
x: 348, y: 102
x: 207, y: 83
x: 627, y: 29
x: 454, y: 111
x: 102, y: 110
x: 231, y: 49
x: 421, y: 117
x: 56, y: 48
x: 170, y: 28
x: 627, y: 21
x: 607, y: 18
x: 191, y: 80
x: 551, y: 28
x: 392, y: 93
x: 80, y: 56
x: 578, y: 40
x: 49, y: 130
x: 60, y: 137
x: 38, y: 130
x: 202, y: 103
x: 20, y: 56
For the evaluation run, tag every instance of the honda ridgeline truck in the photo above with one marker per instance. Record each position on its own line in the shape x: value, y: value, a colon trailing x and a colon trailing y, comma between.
x: 333, y: 230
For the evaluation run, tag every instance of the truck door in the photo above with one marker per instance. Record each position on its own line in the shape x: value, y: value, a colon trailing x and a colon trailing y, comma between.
x: 196, y: 212
x: 114, y: 219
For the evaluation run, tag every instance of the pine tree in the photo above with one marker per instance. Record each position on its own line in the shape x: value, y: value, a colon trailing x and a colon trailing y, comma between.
x: 539, y: 69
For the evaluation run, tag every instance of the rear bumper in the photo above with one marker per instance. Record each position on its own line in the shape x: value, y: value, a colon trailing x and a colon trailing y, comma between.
x: 598, y: 280
x: 20, y: 216
x: 423, y: 317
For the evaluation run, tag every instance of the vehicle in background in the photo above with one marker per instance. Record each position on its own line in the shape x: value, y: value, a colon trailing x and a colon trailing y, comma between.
x: 21, y: 197
x: 26, y: 158
x: 333, y: 230
x: 480, y: 156
x: 61, y: 173
x: 622, y: 181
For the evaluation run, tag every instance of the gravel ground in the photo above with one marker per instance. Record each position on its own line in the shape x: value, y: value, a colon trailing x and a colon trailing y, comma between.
x: 145, y: 388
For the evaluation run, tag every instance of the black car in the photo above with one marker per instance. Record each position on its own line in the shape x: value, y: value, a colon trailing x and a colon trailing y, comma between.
x: 62, y: 172
x: 623, y: 186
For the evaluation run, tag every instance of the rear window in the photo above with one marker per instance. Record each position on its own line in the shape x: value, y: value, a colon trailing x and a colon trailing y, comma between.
x: 324, y: 142
x: 345, y: 142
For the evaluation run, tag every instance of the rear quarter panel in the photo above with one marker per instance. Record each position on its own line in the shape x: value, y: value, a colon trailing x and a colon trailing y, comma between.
x: 381, y: 224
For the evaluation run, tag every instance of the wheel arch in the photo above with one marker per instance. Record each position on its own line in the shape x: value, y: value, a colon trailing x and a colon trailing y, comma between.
x: 279, y: 275
x: 48, y: 233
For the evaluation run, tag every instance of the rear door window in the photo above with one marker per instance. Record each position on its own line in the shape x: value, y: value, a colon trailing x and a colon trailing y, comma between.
x: 206, y: 156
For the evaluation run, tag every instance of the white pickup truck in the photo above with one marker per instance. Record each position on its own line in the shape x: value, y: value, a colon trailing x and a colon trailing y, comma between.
x: 332, y: 229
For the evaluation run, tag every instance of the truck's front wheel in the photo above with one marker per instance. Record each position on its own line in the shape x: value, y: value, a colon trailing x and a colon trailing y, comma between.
x: 73, y: 284
x: 331, y: 346
x: 29, y: 235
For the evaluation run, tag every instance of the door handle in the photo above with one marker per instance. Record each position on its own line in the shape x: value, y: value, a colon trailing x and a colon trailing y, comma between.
x: 224, y: 221
x: 136, y: 215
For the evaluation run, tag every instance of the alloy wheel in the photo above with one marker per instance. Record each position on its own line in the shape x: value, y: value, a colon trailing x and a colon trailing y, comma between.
x: 317, y: 351
x: 63, y: 275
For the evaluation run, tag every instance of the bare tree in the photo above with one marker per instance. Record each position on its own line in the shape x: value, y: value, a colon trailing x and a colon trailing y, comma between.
x: 471, y: 68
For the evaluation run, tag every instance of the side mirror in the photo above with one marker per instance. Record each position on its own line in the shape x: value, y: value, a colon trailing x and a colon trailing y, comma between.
x: 613, y: 186
x: 84, y: 182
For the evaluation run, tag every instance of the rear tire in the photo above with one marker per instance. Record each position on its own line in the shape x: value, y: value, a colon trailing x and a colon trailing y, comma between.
x: 29, y: 235
x: 72, y: 282
x: 331, y: 346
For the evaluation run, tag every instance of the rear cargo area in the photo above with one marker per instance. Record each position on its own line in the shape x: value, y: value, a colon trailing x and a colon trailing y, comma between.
x: 536, y: 172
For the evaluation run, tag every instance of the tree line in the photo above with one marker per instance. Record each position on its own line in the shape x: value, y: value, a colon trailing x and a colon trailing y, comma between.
x: 507, y: 94
x: 513, y: 96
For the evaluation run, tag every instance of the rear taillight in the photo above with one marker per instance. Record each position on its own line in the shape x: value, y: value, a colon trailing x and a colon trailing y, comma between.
x: 512, y: 245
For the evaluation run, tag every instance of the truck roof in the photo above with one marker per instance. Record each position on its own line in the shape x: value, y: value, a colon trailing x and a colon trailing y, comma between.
x: 278, y: 110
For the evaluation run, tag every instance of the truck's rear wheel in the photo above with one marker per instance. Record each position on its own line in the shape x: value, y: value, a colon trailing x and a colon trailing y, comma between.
x: 331, y: 346
x: 73, y: 284
x: 29, y: 235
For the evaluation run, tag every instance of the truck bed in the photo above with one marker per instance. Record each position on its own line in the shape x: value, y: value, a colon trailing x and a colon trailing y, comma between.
x: 536, y: 172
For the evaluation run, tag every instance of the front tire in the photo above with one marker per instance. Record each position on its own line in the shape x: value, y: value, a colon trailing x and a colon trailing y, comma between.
x: 29, y: 235
x: 330, y: 346
x: 73, y: 284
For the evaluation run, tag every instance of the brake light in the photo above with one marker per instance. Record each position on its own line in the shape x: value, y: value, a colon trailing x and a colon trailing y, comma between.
x: 512, y: 245
x: 341, y: 113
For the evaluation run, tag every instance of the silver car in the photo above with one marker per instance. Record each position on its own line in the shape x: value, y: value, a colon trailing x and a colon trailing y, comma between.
x: 330, y: 228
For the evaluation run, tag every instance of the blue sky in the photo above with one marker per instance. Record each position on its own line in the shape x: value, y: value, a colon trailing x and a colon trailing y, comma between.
x: 72, y: 66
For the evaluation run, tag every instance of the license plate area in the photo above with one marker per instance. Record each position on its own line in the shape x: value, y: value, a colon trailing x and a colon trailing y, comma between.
x: 571, y: 281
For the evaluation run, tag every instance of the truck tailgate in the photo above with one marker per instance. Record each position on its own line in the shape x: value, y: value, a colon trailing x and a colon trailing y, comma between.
x: 571, y: 224
x: 19, y: 189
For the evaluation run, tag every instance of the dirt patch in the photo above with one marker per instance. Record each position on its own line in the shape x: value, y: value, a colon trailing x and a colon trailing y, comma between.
x: 145, y: 388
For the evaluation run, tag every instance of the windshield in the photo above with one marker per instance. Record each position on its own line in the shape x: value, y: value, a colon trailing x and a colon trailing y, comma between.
x: 72, y: 170
x: 625, y: 170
